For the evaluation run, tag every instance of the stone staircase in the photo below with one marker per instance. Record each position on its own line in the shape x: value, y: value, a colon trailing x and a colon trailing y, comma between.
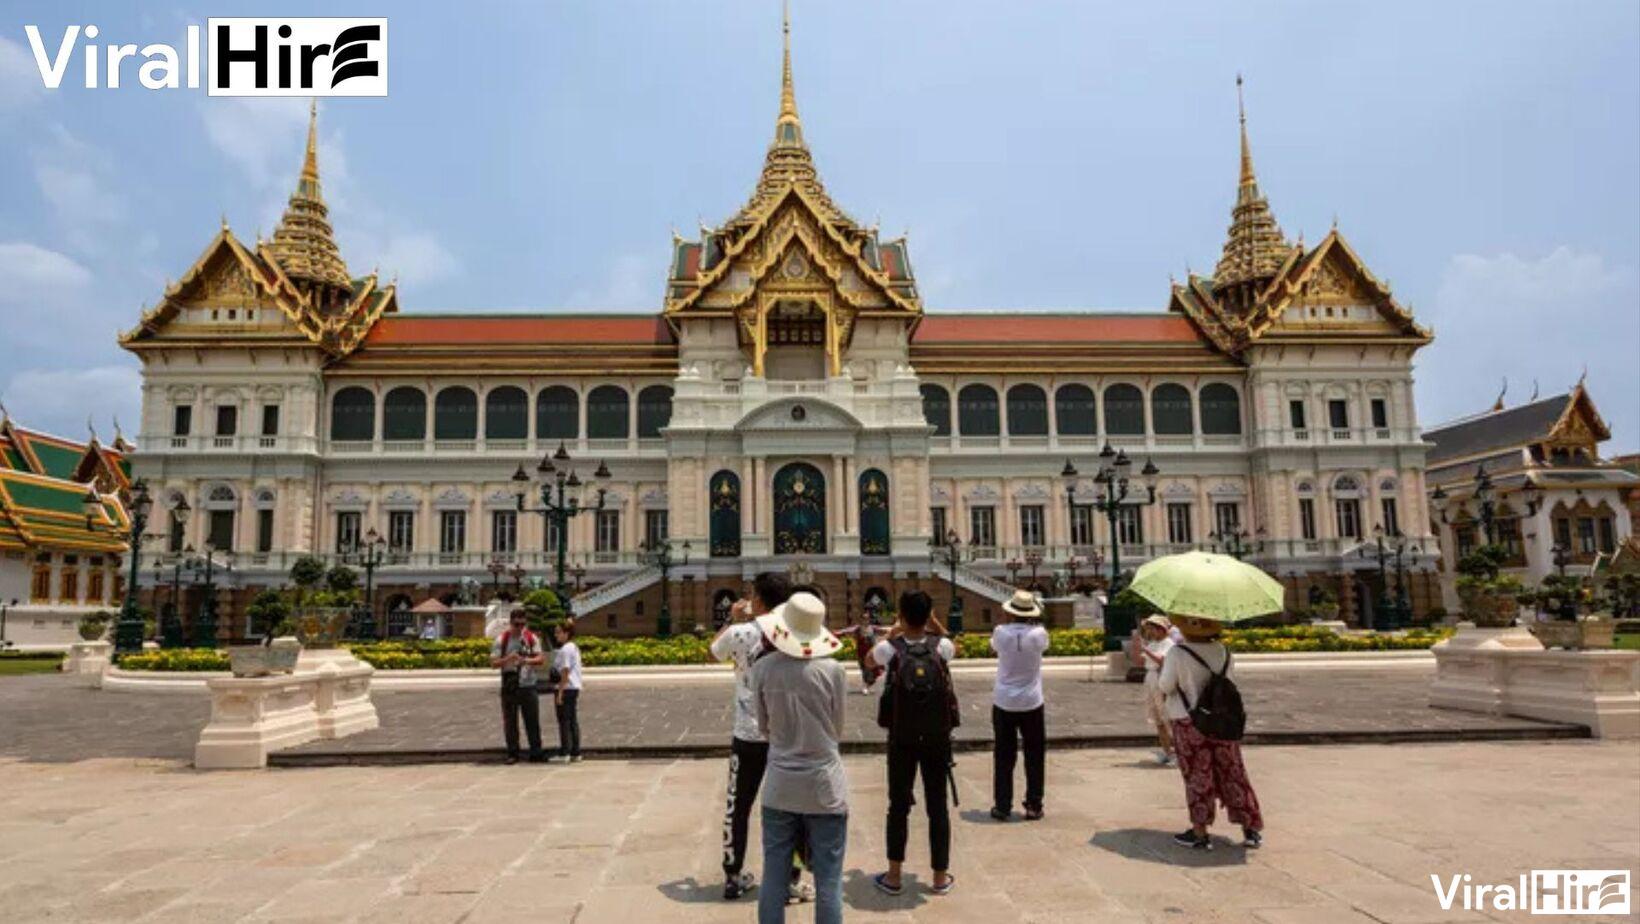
x: 611, y: 591
x: 984, y: 585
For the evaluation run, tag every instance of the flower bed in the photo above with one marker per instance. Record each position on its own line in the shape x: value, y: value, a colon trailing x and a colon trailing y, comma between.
x: 599, y: 651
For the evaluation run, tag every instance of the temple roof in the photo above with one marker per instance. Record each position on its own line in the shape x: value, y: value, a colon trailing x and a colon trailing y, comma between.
x: 1255, y: 248
x: 42, y: 512
x: 1054, y: 327
x: 1544, y: 420
x: 438, y: 330
x: 303, y: 244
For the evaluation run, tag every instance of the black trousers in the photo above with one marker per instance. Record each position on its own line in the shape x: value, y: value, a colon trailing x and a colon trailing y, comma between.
x: 518, y: 701
x: 747, y: 761
x: 569, y: 724
x: 1010, y: 727
x: 905, y: 762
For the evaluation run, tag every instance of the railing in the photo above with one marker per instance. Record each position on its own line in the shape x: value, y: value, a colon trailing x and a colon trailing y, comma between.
x: 222, y: 444
x: 611, y: 591
x: 464, y: 562
x: 984, y: 585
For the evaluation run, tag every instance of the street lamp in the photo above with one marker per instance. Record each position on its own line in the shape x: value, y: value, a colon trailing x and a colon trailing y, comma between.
x: 949, y: 553
x: 579, y: 572
x: 518, y: 574
x: 1033, y: 560
x: 205, y: 622
x: 1383, y: 609
x: 660, y: 555
x: 1234, y: 542
x: 1114, y: 479
x: 497, y: 568
x: 560, y: 491
x: 1403, y: 598
x: 128, y: 630
x: 1013, y: 565
x: 370, y: 555
x: 1483, y: 496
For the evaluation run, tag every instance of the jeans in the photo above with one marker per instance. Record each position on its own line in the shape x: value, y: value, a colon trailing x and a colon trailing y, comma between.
x: 1009, y: 728
x: 826, y: 836
x: 933, y: 760
x: 519, y: 700
x: 569, y: 724
x: 747, y: 759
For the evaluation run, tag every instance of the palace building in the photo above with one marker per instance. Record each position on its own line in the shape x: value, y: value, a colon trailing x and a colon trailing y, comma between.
x: 790, y: 403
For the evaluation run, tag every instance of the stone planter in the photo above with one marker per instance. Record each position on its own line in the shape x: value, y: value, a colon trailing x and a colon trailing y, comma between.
x: 87, y: 661
x: 276, y: 657
x: 321, y: 627
x: 1489, y: 609
x: 1577, y: 635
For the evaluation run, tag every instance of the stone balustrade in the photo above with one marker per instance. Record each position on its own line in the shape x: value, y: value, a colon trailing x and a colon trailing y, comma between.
x: 1507, y: 672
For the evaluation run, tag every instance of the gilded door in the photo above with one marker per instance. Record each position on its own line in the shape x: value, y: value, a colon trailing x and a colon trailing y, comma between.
x: 799, y: 510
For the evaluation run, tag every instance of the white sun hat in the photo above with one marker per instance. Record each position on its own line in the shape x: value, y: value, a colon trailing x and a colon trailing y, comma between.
x: 1024, y: 604
x: 798, y: 628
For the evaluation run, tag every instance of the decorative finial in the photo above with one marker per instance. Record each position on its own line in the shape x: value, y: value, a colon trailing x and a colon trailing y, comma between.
x: 224, y: 221
x: 1247, y: 178
x: 1584, y: 377
x: 310, y: 163
x: 1498, y: 404
x: 1534, y: 390
x: 788, y: 128
x: 119, y: 436
x: 91, y: 427
x: 1335, y: 221
x: 5, y: 415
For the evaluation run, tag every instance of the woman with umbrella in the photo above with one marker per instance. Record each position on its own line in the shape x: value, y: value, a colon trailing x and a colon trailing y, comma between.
x: 1202, y: 593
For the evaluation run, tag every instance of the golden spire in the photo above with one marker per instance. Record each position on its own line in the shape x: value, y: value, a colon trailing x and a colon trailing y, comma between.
x: 788, y: 128
x: 302, y: 243
x: 1255, y: 248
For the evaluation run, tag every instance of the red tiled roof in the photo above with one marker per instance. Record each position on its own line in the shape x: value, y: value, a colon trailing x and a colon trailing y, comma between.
x: 442, y: 330
x: 1055, y: 328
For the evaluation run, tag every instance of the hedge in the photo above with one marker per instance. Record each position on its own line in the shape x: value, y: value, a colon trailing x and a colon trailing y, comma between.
x: 599, y: 651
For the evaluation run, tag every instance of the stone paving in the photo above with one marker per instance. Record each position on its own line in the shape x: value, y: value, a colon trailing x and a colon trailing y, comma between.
x: 47, y: 718
x: 1354, y: 833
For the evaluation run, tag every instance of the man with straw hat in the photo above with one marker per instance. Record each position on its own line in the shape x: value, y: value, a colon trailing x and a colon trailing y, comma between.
x: 1203, y: 592
x: 798, y: 693
x: 1018, y: 708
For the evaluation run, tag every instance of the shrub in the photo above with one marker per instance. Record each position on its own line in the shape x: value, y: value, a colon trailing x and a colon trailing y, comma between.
x: 341, y: 580
x: 93, y: 625
x: 268, y: 611
x: 175, y: 659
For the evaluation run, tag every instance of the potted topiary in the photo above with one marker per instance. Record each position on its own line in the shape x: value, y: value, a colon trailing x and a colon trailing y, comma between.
x: 275, y: 654
x: 93, y: 626
x: 1491, y: 599
x: 1567, y: 601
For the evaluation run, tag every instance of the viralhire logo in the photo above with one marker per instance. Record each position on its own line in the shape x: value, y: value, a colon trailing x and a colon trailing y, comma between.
x: 249, y: 56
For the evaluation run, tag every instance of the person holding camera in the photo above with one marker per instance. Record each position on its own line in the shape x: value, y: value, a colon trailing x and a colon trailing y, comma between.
x: 517, y: 652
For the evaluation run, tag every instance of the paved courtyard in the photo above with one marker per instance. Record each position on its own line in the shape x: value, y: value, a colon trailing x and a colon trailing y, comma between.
x: 1354, y: 834
x: 47, y: 718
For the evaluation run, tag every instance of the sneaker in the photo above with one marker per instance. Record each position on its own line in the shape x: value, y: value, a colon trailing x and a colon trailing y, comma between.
x: 1163, y: 758
x: 1251, y: 839
x: 945, y: 887
x: 736, y: 886
x: 1188, y: 838
x: 881, y: 882
x: 1033, y: 814
x: 575, y: 758
x: 512, y: 759
x: 800, y: 892
x: 1001, y: 814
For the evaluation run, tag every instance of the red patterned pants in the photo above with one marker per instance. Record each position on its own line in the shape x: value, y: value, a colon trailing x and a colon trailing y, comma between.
x: 1213, y: 771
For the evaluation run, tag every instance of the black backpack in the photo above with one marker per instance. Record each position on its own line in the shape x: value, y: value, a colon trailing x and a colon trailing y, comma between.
x: 919, y: 702
x: 1218, y: 712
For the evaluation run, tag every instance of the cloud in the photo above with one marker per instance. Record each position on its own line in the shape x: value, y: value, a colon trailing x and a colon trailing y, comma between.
x: 58, y: 400
x: 74, y: 179
x: 416, y: 257
x: 1543, y: 319
x: 20, y: 83
x: 631, y: 283
x: 33, y: 273
x: 256, y: 133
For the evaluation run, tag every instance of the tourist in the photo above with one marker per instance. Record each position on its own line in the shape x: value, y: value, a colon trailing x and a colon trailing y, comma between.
x: 1212, y: 768
x: 864, y: 633
x: 919, y: 710
x: 1158, y: 637
x: 798, y: 692
x: 567, y: 661
x: 741, y: 642
x: 1018, y: 707
x: 517, y: 653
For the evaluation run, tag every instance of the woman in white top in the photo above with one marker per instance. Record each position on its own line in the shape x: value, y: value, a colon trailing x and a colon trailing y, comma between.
x: 1213, y: 769
x: 1156, y: 638
x: 1018, y: 708
x: 567, y: 659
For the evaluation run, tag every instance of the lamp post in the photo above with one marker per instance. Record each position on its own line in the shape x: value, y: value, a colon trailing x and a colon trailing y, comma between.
x: 1115, y: 485
x: 497, y: 568
x: 205, y: 622
x: 170, y: 621
x: 1013, y: 567
x: 1033, y: 560
x: 579, y: 572
x: 1483, y: 496
x: 128, y: 630
x: 369, y: 555
x: 1383, y: 608
x: 560, y: 491
x: 659, y: 554
x: 518, y: 574
x: 1234, y: 542
x: 949, y: 554
x: 1403, y: 597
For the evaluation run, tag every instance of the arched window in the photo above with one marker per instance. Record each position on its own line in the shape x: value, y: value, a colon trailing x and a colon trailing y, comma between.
x: 353, y: 415
x: 1074, y: 411
x: 654, y: 411
x: 455, y: 414
x: 558, y: 413
x: 724, y: 500
x: 722, y: 604
x: 1221, y: 410
x: 1124, y: 410
x: 937, y: 409
x: 799, y: 510
x: 608, y: 410
x: 977, y: 411
x: 507, y: 414
x: 404, y: 414
x: 874, y: 520
x: 1027, y: 411
x: 1170, y: 410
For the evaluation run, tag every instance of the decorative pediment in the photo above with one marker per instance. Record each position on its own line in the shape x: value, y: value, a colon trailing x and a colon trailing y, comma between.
x: 1032, y: 491
x: 1227, y: 489
x: 1179, y: 490
x: 500, y: 498
x: 1580, y: 424
x: 400, y: 498
x: 653, y: 498
x: 349, y: 497
x: 939, y: 494
x: 451, y: 497
x: 806, y: 414
x: 983, y: 492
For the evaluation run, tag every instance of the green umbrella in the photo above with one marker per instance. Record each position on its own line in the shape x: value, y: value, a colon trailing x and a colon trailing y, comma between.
x: 1207, y: 586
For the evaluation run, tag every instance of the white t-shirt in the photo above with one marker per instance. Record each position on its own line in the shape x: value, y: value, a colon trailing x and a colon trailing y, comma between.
x: 1153, y: 668
x: 568, y: 661
x: 883, y: 653
x: 740, y: 645
x: 1019, y: 647
x: 1181, y: 672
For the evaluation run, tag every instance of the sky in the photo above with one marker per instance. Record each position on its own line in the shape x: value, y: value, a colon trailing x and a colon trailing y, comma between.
x: 1483, y: 157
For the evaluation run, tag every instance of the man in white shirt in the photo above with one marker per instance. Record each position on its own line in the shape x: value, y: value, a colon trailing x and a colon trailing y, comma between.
x: 1018, y: 707
x: 740, y: 642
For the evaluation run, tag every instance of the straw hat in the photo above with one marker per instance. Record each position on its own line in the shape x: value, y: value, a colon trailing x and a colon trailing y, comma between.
x: 1158, y: 620
x: 1023, y: 605
x: 798, y: 628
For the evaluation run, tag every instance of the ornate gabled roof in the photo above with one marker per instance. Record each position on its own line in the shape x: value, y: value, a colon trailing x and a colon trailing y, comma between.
x: 1569, y: 418
x: 303, y: 244
x: 40, y: 453
x: 37, y: 511
x: 1255, y: 248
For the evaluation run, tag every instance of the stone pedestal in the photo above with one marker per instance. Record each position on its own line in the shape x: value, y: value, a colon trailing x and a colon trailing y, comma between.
x: 342, y: 703
x: 1506, y: 672
x: 252, y: 716
x: 86, y: 661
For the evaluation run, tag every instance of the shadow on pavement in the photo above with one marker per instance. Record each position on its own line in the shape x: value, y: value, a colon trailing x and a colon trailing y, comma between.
x: 860, y: 894
x: 692, y: 891
x: 1151, y: 846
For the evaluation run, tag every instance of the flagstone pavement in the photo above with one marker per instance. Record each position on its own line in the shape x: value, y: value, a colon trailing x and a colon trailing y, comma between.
x: 1354, y: 833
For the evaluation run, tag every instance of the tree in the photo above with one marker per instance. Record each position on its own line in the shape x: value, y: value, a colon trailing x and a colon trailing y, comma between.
x: 267, y: 611
x: 341, y: 580
x: 544, y: 608
x: 306, y: 574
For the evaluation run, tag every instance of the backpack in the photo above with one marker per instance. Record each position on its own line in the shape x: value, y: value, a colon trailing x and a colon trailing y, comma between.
x: 1218, y: 712
x: 919, y: 702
